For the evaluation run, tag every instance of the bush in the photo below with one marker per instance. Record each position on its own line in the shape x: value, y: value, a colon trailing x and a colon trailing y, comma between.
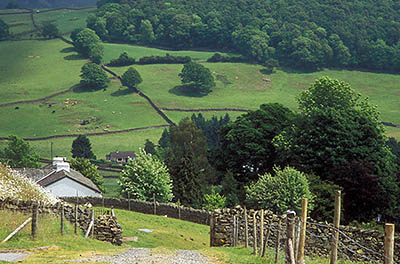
x: 217, y: 57
x: 213, y: 201
x: 280, y: 192
x: 167, y: 59
x: 123, y: 60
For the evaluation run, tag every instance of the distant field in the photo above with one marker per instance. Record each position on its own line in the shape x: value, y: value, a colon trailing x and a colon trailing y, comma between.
x: 101, y: 145
x: 244, y: 86
x: 112, y: 51
x: 18, y: 23
x: 66, y: 20
x: 33, y: 69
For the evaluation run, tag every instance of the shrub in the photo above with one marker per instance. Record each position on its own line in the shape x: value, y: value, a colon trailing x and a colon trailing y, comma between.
x: 123, y: 60
x: 217, y: 57
x: 167, y: 59
x: 15, y: 186
x: 280, y: 192
x: 213, y: 201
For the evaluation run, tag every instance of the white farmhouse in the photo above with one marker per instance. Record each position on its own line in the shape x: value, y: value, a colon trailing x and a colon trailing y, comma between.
x: 61, y: 180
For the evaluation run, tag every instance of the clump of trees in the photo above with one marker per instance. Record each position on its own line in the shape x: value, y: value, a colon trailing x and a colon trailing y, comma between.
x: 19, y: 154
x: 197, y: 78
x: 122, y: 60
x: 87, y: 43
x: 49, y: 29
x: 93, y: 76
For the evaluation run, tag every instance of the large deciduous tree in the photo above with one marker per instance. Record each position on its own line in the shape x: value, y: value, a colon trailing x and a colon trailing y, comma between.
x: 146, y: 177
x: 247, y: 149
x: 49, y: 29
x: 93, y: 76
x: 82, y: 148
x: 88, y: 44
x: 131, y: 78
x: 197, y: 77
x: 337, y: 130
x: 19, y: 154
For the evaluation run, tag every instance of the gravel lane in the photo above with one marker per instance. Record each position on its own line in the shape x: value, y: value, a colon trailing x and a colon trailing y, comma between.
x: 151, y: 256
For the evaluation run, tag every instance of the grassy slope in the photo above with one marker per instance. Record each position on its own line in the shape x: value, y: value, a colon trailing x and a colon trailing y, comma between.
x: 25, y: 78
x: 68, y: 246
x: 66, y: 20
x: 112, y: 51
x: 168, y: 234
x: 18, y: 23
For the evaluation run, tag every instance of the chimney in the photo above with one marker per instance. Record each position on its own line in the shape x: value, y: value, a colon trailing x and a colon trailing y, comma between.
x: 61, y: 164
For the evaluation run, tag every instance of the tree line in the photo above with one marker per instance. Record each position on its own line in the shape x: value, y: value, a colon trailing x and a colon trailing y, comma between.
x: 303, y: 34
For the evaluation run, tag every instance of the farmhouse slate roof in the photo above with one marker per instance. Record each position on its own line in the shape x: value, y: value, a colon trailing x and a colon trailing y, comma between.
x: 72, y: 174
x: 35, y: 174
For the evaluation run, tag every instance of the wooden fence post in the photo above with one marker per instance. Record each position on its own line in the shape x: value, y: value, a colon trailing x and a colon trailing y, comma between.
x: 261, y: 231
x: 389, y: 243
x: 266, y: 242
x: 92, y: 231
x: 255, y: 233
x: 129, y: 202
x: 336, y: 223
x: 34, y: 220
x: 179, y: 209
x: 278, y: 241
x: 76, y: 220
x: 212, y: 230
x: 62, y: 219
x: 246, y: 229
x: 234, y: 232
x: 290, y: 238
x: 302, y: 240
x: 154, y: 202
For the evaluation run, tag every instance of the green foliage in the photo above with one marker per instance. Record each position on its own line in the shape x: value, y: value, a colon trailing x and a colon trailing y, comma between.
x: 394, y: 146
x: 4, y: 30
x: 339, y: 137
x: 211, y: 128
x: 280, y: 192
x: 131, y: 78
x: 213, y: 201
x: 89, y: 170
x: 123, y: 60
x: 49, y: 29
x: 150, y: 147
x: 247, y: 147
x: 19, y: 154
x: 93, y: 76
x: 187, y: 162
x: 88, y: 44
x: 144, y: 177
x: 12, y: 5
x: 230, y: 189
x: 198, y: 77
x: 81, y: 148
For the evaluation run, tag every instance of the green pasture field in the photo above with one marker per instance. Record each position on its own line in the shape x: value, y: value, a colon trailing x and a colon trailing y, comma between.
x: 245, y: 86
x: 111, y: 187
x: 104, y: 112
x: 112, y: 51
x: 18, y: 23
x: 66, y: 20
x: 101, y: 145
x: 33, y: 69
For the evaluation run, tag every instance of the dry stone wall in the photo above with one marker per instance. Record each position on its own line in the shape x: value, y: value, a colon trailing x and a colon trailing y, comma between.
x: 354, y: 242
x: 106, y: 227
x: 170, y: 210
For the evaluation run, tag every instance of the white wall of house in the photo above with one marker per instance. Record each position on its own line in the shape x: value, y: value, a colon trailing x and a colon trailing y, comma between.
x: 68, y: 187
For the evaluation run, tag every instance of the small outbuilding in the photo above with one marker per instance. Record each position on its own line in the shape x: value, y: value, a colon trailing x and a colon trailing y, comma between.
x: 121, y: 156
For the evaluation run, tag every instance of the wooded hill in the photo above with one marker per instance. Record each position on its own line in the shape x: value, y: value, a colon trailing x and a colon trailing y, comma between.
x: 303, y: 33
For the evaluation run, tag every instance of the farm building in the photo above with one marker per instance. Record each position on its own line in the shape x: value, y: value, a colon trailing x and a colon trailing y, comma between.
x: 121, y: 156
x: 61, y: 180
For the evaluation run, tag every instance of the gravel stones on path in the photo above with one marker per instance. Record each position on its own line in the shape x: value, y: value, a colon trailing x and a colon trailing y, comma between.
x: 151, y: 256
